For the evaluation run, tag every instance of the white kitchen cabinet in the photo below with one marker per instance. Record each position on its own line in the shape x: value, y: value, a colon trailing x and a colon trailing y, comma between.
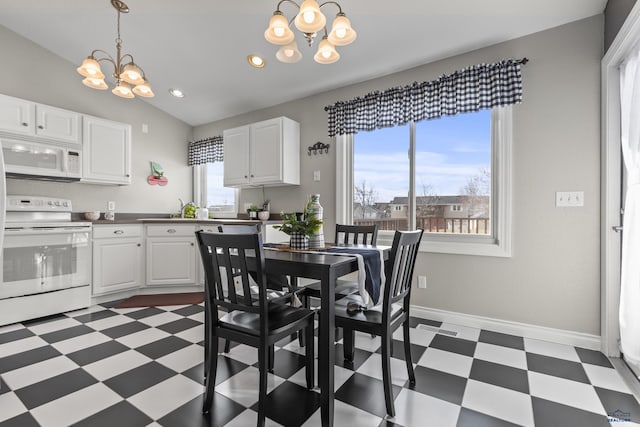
x: 106, y: 151
x: 263, y: 153
x: 19, y: 117
x: 118, y: 258
x: 171, y: 255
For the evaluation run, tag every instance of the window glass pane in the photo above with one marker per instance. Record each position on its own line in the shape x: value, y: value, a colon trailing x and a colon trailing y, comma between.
x: 219, y: 198
x: 453, y: 174
x: 381, y: 178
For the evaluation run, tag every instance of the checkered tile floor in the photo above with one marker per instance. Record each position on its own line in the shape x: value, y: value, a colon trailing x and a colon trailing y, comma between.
x: 144, y: 366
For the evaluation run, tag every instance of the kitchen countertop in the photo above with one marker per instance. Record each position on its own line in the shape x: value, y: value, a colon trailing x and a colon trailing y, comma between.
x: 146, y: 218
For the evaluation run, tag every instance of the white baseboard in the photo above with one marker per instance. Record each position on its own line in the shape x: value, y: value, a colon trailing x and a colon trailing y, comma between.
x: 559, y: 336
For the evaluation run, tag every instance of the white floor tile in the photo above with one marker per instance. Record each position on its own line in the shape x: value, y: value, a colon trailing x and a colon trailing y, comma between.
x: 160, y: 319
x: 417, y: 409
x: 76, y: 406
x: 464, y: 332
x: 606, y: 378
x: 345, y: 415
x: 109, y: 322
x: 143, y: 337
x: 12, y: 327
x: 32, y: 374
x: 10, y: 406
x: 198, y: 317
x: 83, y: 311
x: 243, y: 353
x: 166, y: 396
x: 25, y: 344
x: 183, y: 359
x: 243, y: 387
x: 502, y: 355
x: 115, y: 365
x: 564, y: 391
x: 546, y: 348
x: 373, y: 368
x: 55, y: 325
x: 367, y: 342
x: 249, y: 418
x: 194, y: 335
x: 498, y: 402
x: 80, y: 342
x: 453, y: 363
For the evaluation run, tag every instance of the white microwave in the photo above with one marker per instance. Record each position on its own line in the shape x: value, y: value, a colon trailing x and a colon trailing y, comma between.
x: 35, y: 160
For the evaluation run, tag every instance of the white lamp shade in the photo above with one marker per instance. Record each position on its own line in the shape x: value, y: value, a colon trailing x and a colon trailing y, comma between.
x: 309, y: 18
x: 289, y: 53
x: 123, y: 90
x: 341, y: 32
x: 90, y: 68
x: 279, y: 32
x: 144, y: 90
x: 327, y: 53
x: 132, y: 74
x: 95, y: 83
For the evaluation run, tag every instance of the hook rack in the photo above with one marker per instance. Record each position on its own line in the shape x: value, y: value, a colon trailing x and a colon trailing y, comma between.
x: 317, y: 148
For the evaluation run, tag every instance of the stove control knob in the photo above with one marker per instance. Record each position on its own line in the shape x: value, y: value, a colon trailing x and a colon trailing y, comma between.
x: 57, y: 203
x: 50, y: 203
x: 65, y: 204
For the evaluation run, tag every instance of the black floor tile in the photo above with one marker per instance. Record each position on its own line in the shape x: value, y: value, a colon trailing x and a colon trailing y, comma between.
x: 359, y: 357
x: 125, y: 329
x: 287, y: 363
x: 179, y: 325
x: 593, y: 357
x: 96, y: 315
x: 470, y: 418
x: 189, y: 310
x: 157, y: 349
x: 15, y: 335
x: 415, y: 321
x: 122, y: 414
x: 144, y: 312
x: 65, y: 334
x: 557, y: 367
x: 97, y: 352
x: 4, y: 388
x: 53, y: 388
x: 547, y: 413
x: 619, y: 405
x: 439, y: 384
x: 138, y: 379
x: 190, y: 414
x: 226, y: 368
x: 26, y: 358
x: 454, y: 345
x: 366, y: 393
x: 290, y: 405
x: 111, y: 304
x: 500, y: 375
x: 22, y: 420
x: 503, y: 340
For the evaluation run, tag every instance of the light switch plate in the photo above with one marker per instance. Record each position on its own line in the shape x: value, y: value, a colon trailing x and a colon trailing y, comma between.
x: 316, y: 175
x: 569, y: 199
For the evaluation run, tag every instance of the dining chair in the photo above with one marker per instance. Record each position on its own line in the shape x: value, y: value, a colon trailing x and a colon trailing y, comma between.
x: 351, y: 316
x: 345, y: 234
x: 234, y: 312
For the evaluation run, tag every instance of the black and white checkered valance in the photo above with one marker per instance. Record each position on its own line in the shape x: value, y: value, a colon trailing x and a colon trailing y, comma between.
x: 207, y: 150
x: 471, y: 89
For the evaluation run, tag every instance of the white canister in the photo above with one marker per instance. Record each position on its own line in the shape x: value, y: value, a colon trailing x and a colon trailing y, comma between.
x: 202, y: 213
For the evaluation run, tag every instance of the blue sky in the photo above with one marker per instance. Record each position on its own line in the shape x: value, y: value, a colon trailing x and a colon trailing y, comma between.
x: 449, y: 151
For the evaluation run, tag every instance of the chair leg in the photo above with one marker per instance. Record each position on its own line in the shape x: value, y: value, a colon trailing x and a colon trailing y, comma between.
x: 271, y: 358
x: 211, y: 366
x: 227, y: 346
x: 386, y: 374
x: 348, y: 343
x: 407, y: 352
x: 310, y: 355
x: 263, y: 356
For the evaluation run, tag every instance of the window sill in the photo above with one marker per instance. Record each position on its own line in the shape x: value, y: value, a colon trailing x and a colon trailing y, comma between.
x: 456, y: 248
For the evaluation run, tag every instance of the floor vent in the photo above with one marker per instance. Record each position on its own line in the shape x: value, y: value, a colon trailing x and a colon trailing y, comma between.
x: 436, y: 330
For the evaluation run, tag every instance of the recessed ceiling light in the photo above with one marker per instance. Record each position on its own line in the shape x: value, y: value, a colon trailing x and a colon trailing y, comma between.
x: 256, y: 61
x: 177, y: 93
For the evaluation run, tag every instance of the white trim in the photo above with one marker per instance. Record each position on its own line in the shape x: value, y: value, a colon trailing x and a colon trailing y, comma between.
x: 611, y: 164
x: 559, y: 336
x: 344, y: 178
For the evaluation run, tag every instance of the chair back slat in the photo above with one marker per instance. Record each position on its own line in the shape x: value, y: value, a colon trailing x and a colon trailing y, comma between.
x: 356, y: 234
x: 228, y: 261
x: 399, y: 270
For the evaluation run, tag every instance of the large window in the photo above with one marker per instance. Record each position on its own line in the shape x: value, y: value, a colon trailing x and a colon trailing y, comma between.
x: 449, y: 176
x: 210, y: 192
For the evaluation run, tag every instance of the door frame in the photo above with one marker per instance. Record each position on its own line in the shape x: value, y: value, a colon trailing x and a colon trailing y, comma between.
x: 611, y: 167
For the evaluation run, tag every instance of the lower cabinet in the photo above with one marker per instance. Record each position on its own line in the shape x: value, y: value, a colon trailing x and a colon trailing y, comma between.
x: 118, y: 258
x: 171, y: 255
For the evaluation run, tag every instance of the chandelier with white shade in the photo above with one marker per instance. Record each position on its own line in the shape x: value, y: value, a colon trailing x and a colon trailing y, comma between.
x: 125, y: 71
x: 309, y: 20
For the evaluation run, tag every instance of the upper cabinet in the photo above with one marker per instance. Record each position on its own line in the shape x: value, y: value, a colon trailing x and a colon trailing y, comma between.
x: 106, y: 152
x: 21, y: 117
x: 263, y: 153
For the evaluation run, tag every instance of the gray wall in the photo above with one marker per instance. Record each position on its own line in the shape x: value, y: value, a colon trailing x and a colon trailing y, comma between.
x: 614, y: 16
x: 33, y: 73
x: 552, y: 279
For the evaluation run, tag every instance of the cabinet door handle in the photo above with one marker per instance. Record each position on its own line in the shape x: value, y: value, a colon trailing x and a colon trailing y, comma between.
x: 127, y: 175
x: 118, y: 232
x: 192, y: 244
x: 139, y: 244
x: 40, y: 127
x: 251, y: 175
x: 171, y: 230
x: 24, y: 124
x: 246, y: 176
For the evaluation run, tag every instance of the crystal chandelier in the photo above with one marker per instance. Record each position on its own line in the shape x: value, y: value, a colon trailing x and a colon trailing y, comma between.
x: 125, y: 72
x: 309, y: 21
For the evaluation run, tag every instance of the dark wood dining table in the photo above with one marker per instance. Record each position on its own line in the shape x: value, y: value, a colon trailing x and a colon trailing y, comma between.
x: 327, y: 268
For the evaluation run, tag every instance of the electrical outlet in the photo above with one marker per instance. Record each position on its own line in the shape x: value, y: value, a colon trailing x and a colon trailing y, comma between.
x: 111, y: 205
x: 316, y: 175
x: 422, y: 282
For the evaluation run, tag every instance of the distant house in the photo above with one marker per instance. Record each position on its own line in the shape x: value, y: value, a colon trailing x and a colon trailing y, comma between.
x: 461, y: 206
x: 367, y: 212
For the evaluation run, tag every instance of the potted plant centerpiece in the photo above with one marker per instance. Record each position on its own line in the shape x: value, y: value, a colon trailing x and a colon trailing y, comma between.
x: 300, y: 227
